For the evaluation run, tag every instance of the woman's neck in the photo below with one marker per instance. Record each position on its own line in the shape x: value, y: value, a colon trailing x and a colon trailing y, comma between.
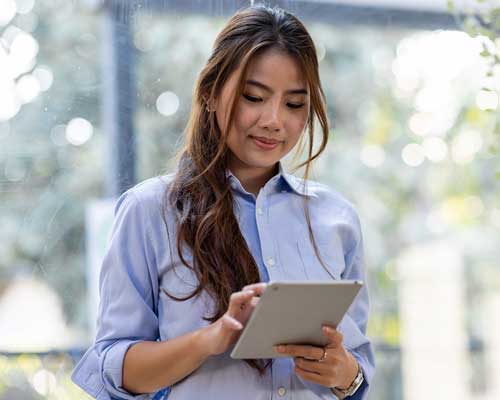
x: 252, y: 178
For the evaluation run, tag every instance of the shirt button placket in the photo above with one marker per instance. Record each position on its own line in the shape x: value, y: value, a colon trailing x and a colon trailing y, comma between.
x: 266, y: 240
x: 281, y: 373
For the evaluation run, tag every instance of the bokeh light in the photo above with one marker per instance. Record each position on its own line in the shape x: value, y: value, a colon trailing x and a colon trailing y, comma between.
x: 17, y: 56
x: 28, y: 88
x: 456, y: 210
x: 420, y: 123
x: 8, y: 10
x: 144, y: 40
x: 372, y: 155
x: 435, y: 149
x: 44, y: 382
x: 9, y: 102
x: 433, y: 98
x: 44, y: 76
x: 79, y: 131
x: 167, y: 103
x: 465, y: 146
x: 432, y: 123
x: 23, y: 50
x: 413, y: 154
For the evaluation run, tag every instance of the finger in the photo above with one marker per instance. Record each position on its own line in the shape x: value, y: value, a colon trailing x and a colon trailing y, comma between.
x: 238, y: 299
x: 306, y: 351
x: 311, y: 376
x: 254, y: 301
x: 247, y: 309
x: 231, y: 323
x: 258, y: 288
x: 250, y: 305
x: 311, y: 366
x: 334, y: 337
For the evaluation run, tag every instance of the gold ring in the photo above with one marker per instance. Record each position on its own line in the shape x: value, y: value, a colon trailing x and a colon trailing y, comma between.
x: 323, y: 357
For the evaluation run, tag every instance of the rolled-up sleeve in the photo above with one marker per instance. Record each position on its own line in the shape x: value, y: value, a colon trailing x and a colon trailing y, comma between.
x: 354, y: 323
x: 128, y: 284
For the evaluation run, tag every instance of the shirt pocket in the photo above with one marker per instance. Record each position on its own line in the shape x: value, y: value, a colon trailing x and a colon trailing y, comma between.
x: 332, y: 255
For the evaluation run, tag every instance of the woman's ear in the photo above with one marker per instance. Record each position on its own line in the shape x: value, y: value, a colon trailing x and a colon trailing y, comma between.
x: 210, y: 105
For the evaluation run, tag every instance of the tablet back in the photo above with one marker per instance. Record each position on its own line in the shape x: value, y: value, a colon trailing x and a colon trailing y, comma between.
x: 293, y: 313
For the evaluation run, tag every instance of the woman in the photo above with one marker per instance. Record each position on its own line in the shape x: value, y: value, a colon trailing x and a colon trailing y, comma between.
x: 190, y: 252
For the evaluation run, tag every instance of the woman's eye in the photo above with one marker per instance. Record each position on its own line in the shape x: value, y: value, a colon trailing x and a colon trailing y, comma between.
x: 251, y: 98
x: 254, y: 99
x: 291, y: 105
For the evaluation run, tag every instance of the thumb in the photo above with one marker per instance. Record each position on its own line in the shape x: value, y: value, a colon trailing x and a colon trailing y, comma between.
x: 333, y: 335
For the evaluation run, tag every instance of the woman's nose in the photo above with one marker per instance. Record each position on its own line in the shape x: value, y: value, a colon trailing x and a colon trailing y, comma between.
x: 272, y: 118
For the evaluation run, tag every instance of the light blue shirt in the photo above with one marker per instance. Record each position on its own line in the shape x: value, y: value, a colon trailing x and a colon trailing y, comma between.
x: 138, y: 263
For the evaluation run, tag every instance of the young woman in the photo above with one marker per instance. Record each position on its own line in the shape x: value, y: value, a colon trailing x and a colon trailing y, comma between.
x: 191, y: 251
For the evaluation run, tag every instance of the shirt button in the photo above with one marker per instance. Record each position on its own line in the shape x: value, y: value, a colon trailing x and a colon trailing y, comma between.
x: 270, y: 262
x: 259, y: 211
x: 281, y: 391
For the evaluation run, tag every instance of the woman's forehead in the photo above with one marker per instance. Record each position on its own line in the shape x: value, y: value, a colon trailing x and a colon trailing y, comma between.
x: 276, y: 69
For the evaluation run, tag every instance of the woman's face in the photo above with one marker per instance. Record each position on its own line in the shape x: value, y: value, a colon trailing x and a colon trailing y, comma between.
x: 271, y: 114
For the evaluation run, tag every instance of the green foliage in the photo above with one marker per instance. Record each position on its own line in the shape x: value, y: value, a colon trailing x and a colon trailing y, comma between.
x: 484, y: 21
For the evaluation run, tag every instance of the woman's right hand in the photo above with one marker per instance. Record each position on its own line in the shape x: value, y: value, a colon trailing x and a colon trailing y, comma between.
x: 224, y: 332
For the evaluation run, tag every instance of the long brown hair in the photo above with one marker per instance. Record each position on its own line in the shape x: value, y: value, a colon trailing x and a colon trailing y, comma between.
x: 200, y: 193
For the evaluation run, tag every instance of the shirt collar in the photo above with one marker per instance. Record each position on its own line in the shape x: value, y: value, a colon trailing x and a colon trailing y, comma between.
x: 294, y: 183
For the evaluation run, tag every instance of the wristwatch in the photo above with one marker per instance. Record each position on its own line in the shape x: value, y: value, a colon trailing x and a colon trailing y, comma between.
x: 355, y: 385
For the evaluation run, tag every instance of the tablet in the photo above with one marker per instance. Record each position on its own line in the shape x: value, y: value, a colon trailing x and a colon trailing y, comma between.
x: 293, y: 313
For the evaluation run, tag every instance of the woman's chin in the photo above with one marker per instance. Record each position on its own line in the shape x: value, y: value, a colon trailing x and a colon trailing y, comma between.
x: 262, y: 162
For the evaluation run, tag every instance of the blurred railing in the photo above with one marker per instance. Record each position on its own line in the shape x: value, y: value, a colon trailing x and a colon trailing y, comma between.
x: 46, y: 375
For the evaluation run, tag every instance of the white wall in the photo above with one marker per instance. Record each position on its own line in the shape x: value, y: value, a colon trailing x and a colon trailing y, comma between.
x: 432, y: 305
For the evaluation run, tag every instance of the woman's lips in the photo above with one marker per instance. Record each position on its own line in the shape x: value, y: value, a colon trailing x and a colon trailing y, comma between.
x: 265, y: 143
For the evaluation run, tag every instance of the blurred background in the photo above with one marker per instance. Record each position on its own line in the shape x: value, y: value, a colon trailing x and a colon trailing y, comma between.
x: 94, y: 96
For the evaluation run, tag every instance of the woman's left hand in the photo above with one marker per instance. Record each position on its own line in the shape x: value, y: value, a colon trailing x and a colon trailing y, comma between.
x: 338, y: 367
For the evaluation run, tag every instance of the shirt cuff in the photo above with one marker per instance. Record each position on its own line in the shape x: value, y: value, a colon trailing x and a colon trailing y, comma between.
x: 111, y: 367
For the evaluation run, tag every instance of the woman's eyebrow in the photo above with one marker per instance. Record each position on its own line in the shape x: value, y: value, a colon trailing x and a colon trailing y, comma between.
x: 268, y: 89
